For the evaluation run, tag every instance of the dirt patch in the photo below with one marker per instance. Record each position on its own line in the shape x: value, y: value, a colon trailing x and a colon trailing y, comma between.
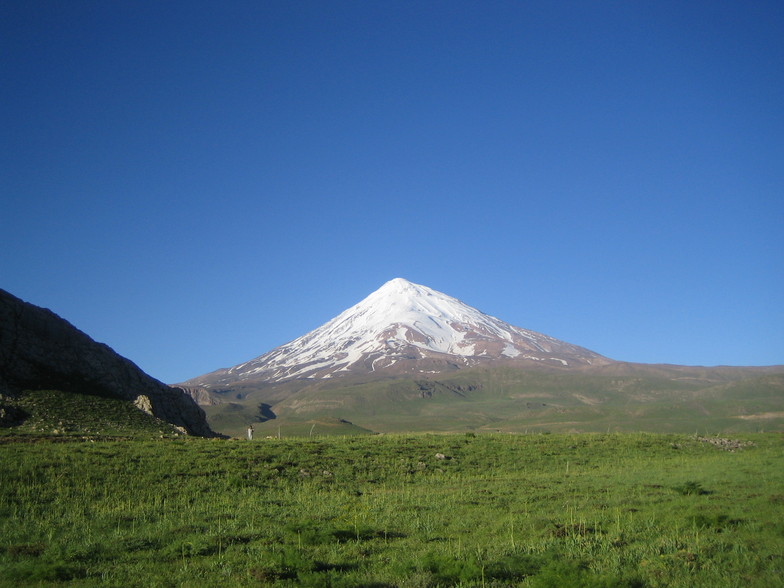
x: 726, y: 444
x: 761, y: 416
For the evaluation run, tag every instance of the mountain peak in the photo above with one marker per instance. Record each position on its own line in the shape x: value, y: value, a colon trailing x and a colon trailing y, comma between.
x: 403, y: 288
x: 398, y: 284
x: 403, y: 328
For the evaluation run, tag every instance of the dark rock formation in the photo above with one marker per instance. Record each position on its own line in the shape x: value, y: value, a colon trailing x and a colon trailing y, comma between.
x: 39, y: 350
x: 10, y: 416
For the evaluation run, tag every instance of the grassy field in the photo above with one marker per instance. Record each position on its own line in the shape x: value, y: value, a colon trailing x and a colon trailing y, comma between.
x: 659, y: 399
x: 392, y: 510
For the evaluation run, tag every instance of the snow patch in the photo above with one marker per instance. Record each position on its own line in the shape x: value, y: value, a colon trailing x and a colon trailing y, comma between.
x: 510, y: 351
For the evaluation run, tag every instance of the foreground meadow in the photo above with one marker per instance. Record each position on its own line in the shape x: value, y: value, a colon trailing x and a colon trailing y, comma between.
x: 424, y: 510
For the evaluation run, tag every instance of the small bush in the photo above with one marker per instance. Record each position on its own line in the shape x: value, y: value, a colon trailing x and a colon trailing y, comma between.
x: 691, y: 488
x: 44, y: 572
x: 513, y: 567
x: 718, y: 522
x: 25, y: 550
x: 450, y: 570
x: 576, y: 574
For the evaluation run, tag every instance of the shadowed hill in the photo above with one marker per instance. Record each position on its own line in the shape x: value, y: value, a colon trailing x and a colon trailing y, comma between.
x: 41, y: 351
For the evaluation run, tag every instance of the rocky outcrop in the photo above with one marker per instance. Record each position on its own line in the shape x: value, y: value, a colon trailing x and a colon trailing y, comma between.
x: 39, y: 350
x: 200, y: 395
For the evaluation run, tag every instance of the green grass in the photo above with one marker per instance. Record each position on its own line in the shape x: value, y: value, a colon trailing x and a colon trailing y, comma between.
x: 63, y: 414
x: 314, y: 427
x: 638, y: 398
x: 393, y: 510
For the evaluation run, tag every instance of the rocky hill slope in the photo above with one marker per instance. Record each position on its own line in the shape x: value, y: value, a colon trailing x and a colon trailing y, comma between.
x: 39, y: 351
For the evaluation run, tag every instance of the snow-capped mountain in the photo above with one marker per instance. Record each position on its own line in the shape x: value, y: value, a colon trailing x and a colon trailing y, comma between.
x: 403, y: 328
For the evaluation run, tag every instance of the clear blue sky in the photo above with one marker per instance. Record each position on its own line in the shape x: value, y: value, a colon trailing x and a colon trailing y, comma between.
x: 195, y: 183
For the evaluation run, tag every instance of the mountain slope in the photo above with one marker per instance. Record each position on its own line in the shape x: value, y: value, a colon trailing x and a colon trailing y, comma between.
x: 628, y: 397
x: 41, y: 351
x: 403, y: 328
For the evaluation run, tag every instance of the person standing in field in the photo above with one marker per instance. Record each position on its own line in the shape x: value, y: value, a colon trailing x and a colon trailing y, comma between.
x: 250, y: 432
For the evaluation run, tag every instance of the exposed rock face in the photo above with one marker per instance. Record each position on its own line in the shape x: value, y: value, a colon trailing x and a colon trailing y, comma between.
x: 143, y: 403
x: 39, y: 350
x: 200, y: 395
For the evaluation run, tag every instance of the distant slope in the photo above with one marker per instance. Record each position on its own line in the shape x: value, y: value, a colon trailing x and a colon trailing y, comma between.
x: 41, y: 351
x: 627, y: 397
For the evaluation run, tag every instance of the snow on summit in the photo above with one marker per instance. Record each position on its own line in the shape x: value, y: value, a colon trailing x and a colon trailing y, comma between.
x: 403, y: 327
